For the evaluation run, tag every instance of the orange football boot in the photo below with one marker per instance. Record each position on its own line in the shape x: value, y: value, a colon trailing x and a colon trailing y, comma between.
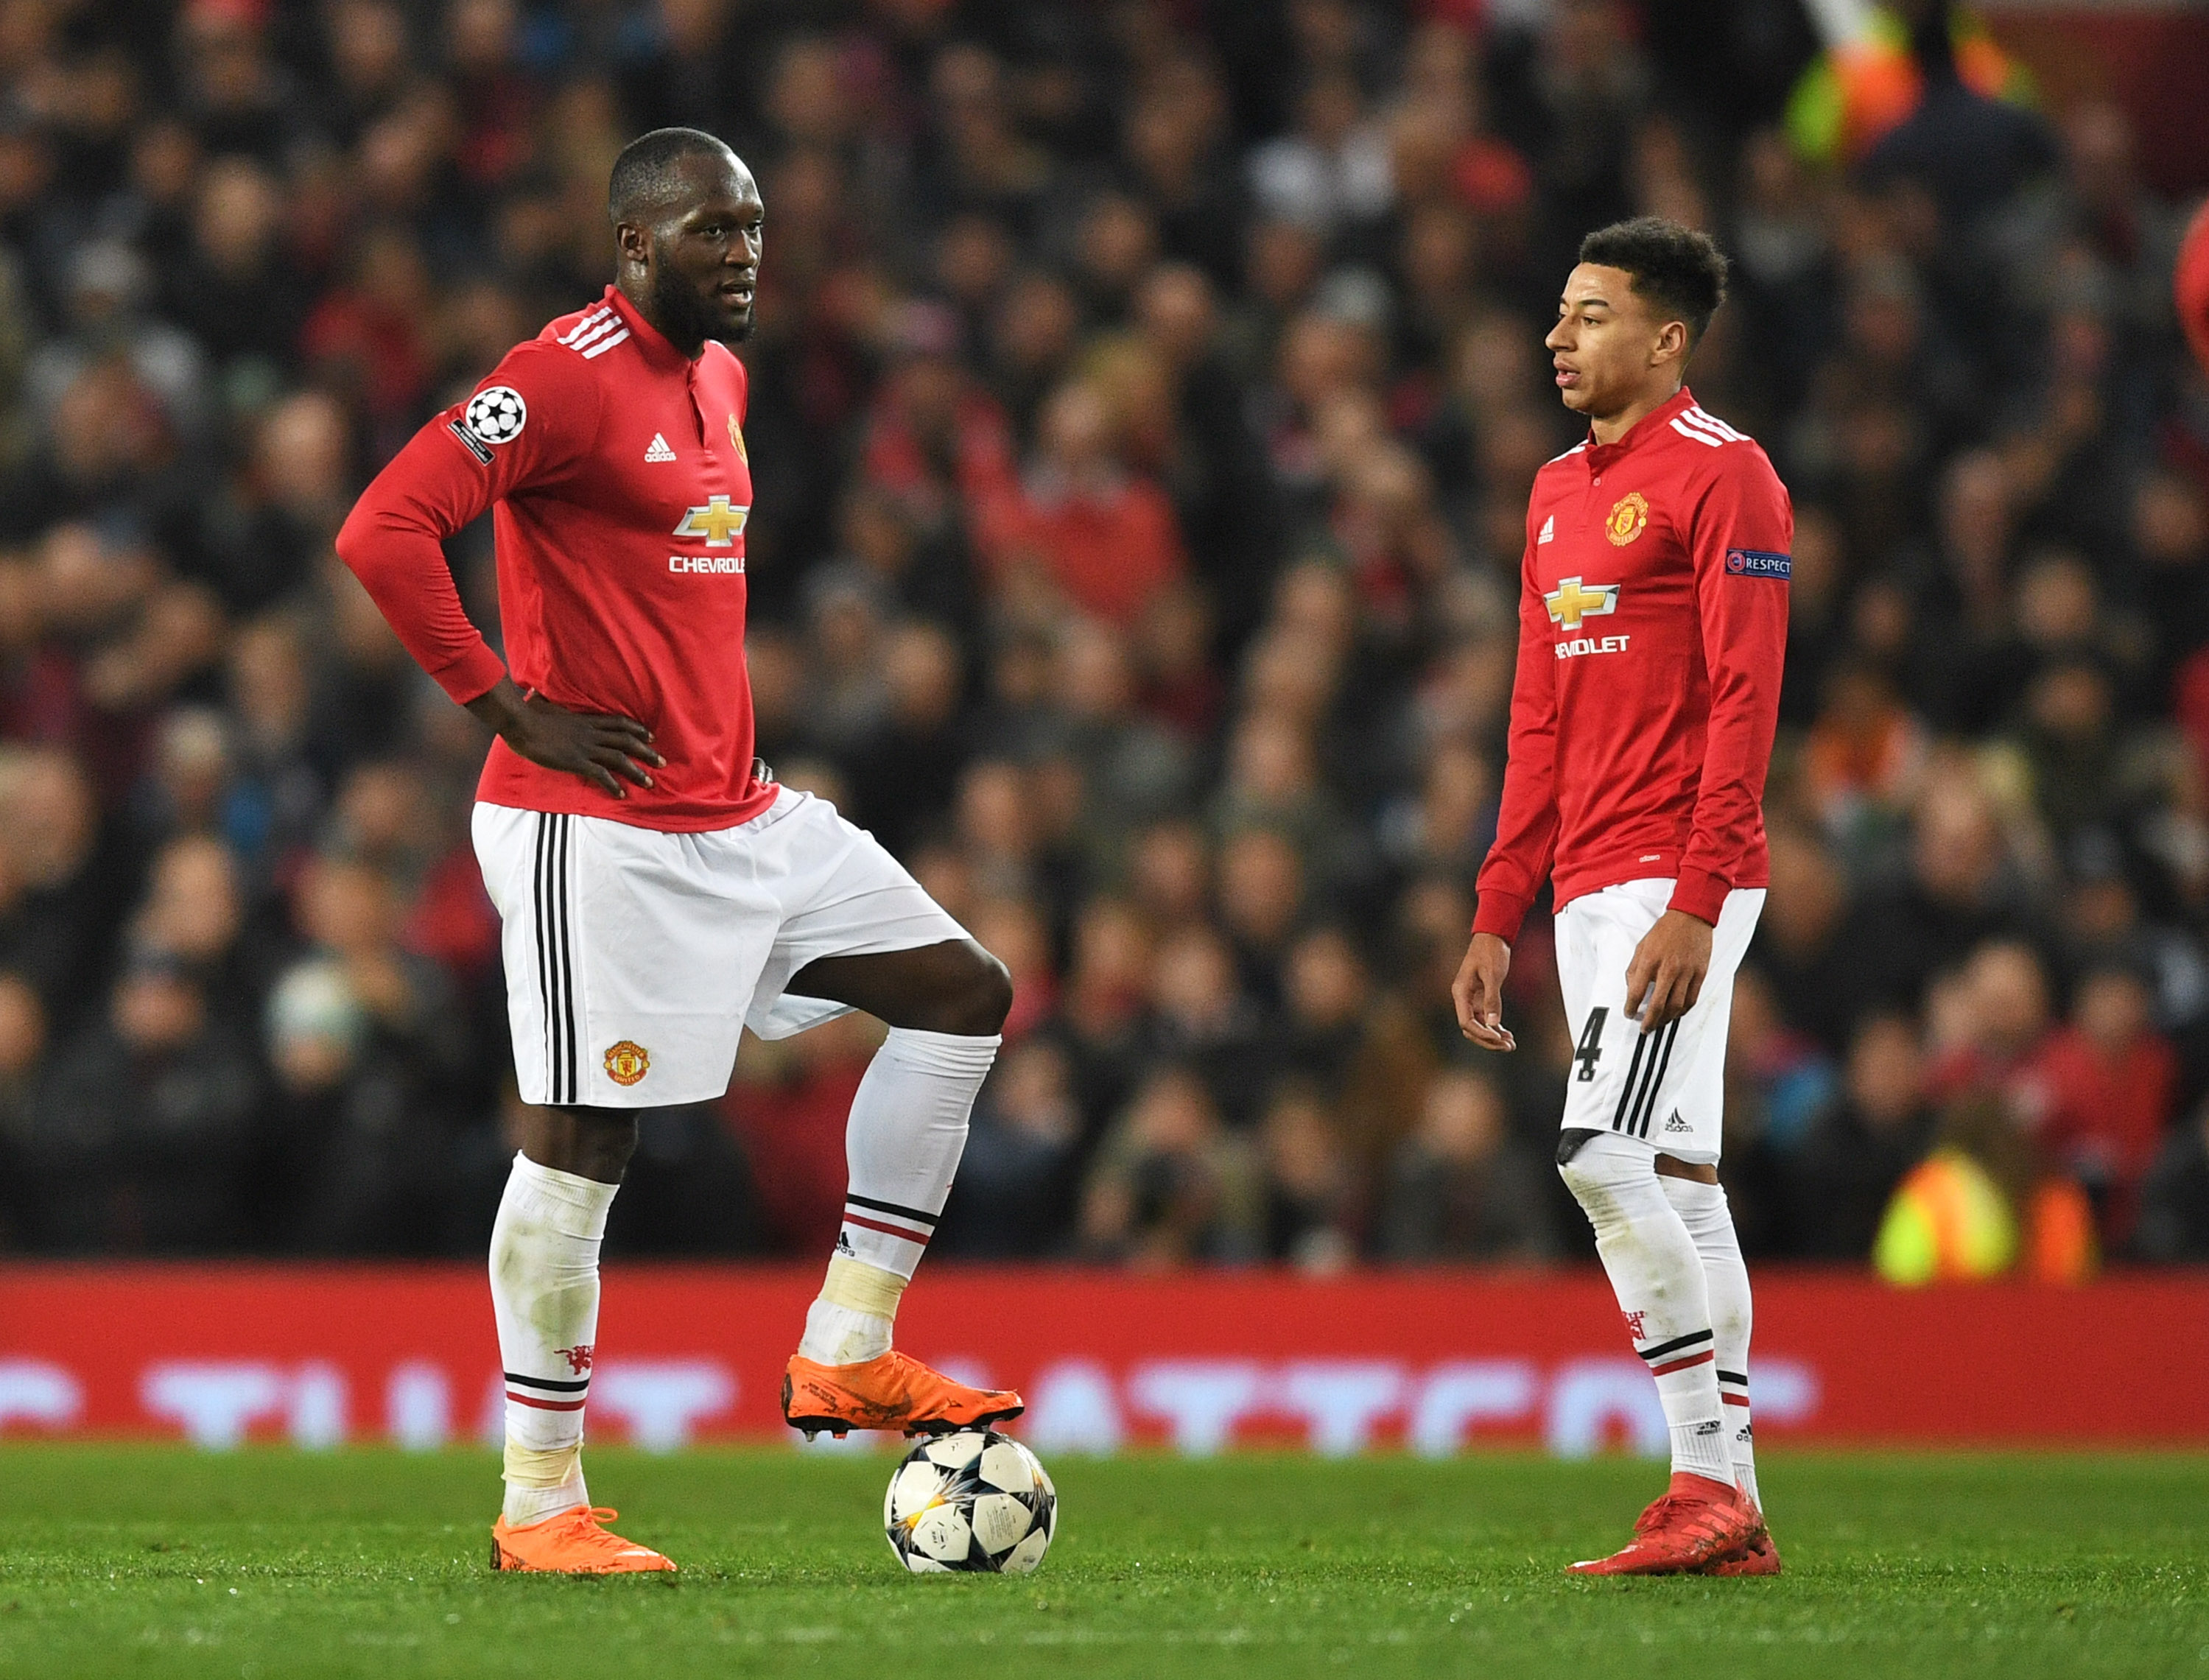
x: 570, y: 1543
x: 1757, y: 1556
x: 888, y: 1392
x: 1695, y: 1521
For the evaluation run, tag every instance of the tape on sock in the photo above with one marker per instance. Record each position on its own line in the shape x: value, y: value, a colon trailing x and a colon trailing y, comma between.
x: 861, y: 1287
x: 542, y: 1467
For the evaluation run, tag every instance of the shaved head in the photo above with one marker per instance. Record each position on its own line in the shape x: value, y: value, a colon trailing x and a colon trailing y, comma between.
x: 647, y: 179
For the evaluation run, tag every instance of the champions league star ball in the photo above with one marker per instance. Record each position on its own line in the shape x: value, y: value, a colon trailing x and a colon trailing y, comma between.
x: 976, y: 1501
x: 499, y: 414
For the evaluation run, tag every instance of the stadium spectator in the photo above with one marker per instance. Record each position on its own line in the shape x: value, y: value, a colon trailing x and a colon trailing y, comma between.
x: 1017, y: 1179
x: 1171, y: 1184
x: 1855, y: 1151
x: 146, y: 1137
x: 1459, y: 1188
x: 1142, y: 458
x: 2174, y: 1220
x: 2111, y: 1083
x: 58, y: 897
x: 22, y: 1043
x: 786, y: 1109
x: 1311, y: 1186
x: 356, y: 1150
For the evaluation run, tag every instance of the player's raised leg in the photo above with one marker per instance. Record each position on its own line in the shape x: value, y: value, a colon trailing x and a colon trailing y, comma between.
x: 945, y: 1004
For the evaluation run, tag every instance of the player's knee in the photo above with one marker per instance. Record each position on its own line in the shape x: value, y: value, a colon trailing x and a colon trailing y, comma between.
x: 983, y: 998
x: 593, y: 1143
x: 1596, y: 1165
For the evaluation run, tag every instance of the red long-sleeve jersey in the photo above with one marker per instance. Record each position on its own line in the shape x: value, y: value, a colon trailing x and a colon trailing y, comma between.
x: 616, y: 471
x: 1653, y: 627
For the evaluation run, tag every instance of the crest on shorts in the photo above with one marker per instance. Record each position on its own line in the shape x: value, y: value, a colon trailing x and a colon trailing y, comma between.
x: 626, y: 1061
x: 1629, y: 518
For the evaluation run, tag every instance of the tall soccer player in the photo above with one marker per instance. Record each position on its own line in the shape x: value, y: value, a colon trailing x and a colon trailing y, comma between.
x: 1653, y: 623
x: 659, y: 891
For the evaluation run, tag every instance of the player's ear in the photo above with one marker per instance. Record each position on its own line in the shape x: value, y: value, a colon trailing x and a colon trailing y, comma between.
x: 633, y: 242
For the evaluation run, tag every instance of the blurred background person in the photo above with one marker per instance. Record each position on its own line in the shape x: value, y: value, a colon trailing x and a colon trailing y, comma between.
x: 1459, y: 1188
x: 1135, y: 549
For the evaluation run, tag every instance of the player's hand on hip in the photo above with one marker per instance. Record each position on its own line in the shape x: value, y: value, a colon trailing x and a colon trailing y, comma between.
x: 597, y: 746
x: 1477, y: 991
x: 1667, y: 975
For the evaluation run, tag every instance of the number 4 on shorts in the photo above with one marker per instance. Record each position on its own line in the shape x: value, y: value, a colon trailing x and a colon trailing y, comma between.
x: 1589, y: 1051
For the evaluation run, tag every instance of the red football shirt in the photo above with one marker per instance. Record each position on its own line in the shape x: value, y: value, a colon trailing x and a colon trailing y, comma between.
x: 616, y: 472
x: 1653, y: 626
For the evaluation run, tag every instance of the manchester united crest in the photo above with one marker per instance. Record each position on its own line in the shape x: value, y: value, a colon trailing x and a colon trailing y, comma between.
x: 736, y: 441
x: 627, y: 1062
x: 1628, y: 519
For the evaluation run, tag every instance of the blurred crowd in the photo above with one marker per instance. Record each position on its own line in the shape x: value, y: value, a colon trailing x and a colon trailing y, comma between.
x: 1144, y: 404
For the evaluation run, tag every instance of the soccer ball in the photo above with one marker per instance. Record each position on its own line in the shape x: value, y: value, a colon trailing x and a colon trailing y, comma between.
x: 973, y: 1501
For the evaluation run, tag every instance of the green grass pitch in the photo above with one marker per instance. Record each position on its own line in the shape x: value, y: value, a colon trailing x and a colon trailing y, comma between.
x: 153, y: 1560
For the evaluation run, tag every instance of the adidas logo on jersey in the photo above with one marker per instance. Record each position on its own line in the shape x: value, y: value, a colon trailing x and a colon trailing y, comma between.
x: 1705, y: 427
x: 1549, y: 530
x: 660, y: 451
x: 598, y: 331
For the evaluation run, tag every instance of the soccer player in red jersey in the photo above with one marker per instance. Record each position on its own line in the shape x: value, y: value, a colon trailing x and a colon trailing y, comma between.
x: 1653, y: 625
x: 659, y: 892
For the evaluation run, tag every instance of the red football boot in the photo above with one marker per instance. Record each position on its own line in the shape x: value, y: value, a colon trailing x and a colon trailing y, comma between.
x: 1696, y: 1521
x: 1757, y: 1556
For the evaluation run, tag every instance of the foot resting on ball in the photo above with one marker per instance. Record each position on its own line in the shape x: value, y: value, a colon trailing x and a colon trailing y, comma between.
x: 570, y: 1543
x: 1694, y: 1522
x: 890, y: 1391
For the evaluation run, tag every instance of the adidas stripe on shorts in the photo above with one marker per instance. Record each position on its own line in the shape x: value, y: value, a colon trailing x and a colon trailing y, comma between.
x: 1666, y: 1088
x: 635, y: 958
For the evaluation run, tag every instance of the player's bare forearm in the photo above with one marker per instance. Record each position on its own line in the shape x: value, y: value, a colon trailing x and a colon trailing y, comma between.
x: 597, y: 746
x: 1666, y: 974
x: 1477, y: 991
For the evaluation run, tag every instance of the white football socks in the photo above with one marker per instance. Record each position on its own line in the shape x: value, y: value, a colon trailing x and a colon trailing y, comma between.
x: 544, y: 1294
x: 1703, y: 1209
x: 907, y: 1130
x: 1657, y: 1277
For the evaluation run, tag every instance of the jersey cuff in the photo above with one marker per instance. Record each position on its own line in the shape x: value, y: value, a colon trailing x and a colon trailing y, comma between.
x: 471, y: 675
x: 1500, y: 912
x: 1700, y: 894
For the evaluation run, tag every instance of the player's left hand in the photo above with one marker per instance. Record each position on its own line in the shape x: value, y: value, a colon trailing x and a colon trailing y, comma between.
x: 1667, y: 975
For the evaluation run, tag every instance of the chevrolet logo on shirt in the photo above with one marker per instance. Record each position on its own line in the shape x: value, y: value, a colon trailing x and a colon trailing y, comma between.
x: 719, y: 523
x: 1572, y: 600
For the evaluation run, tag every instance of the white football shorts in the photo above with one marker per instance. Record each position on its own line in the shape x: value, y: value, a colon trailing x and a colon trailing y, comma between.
x: 1667, y: 1088
x: 636, y: 958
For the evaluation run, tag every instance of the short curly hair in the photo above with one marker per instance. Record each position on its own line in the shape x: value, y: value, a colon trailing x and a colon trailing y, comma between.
x: 1678, y: 269
x: 644, y: 180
